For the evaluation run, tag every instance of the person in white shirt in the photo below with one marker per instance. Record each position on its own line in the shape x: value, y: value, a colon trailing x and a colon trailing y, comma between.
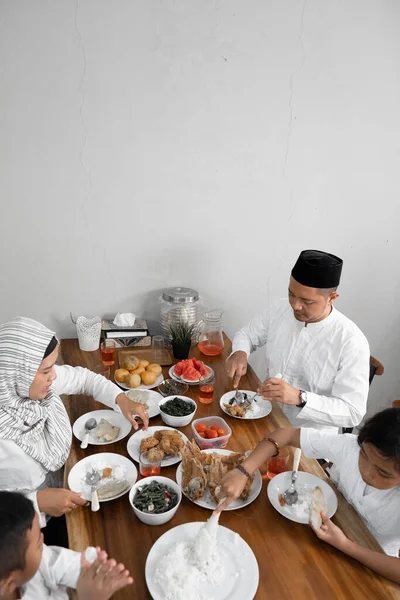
x: 317, y: 359
x: 33, y: 571
x: 35, y: 432
x: 367, y: 473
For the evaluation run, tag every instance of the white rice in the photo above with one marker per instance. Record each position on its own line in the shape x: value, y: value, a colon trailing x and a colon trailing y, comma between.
x: 118, y: 474
x: 187, y: 565
x: 254, y: 410
x: 301, y: 509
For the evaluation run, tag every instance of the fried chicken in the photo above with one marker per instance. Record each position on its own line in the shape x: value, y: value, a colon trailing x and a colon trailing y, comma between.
x: 235, y: 410
x: 155, y: 454
x: 171, y: 445
x: 215, y: 472
x: 194, y: 480
x: 148, y: 442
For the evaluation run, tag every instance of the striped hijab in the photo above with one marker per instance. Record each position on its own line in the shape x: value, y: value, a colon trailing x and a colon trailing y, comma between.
x: 41, y: 428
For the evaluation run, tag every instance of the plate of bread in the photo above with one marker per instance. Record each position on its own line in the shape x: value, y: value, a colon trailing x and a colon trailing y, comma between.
x: 134, y: 373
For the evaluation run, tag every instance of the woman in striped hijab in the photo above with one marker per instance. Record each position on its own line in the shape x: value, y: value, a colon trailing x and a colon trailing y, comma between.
x: 35, y: 432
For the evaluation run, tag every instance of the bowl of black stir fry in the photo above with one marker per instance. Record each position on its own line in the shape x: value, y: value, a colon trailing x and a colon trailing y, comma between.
x: 177, y: 411
x: 155, y: 499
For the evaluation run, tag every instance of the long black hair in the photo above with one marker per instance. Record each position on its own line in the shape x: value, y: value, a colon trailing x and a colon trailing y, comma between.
x: 16, y: 518
x: 383, y: 431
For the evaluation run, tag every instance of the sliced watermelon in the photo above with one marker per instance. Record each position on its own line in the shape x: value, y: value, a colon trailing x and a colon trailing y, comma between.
x: 178, y: 369
x: 203, y: 370
x: 197, y: 364
x: 190, y: 374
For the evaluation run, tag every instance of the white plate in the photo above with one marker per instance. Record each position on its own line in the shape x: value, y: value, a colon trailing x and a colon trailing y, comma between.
x: 79, y: 470
x: 181, y: 380
x: 152, y: 401
x: 113, y: 417
x: 265, y: 405
x: 238, y: 561
x: 206, y: 501
x: 281, y: 483
x: 133, y: 446
x: 157, y: 382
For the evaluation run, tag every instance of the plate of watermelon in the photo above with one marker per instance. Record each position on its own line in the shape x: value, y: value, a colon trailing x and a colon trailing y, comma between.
x: 190, y: 371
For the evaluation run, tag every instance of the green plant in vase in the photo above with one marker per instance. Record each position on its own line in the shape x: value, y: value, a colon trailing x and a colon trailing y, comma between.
x: 181, y: 339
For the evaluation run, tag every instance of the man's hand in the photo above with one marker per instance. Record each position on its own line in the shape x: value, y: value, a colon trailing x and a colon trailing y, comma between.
x: 130, y: 408
x: 236, y: 366
x: 58, y: 501
x: 278, y: 390
x: 232, y: 485
x: 100, y: 580
x: 331, y: 534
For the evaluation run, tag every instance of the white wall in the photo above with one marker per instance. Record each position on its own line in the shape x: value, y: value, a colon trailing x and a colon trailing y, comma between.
x: 149, y: 143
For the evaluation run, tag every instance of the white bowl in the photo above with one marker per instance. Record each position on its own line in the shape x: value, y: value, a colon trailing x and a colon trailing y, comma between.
x: 161, y: 518
x: 177, y: 421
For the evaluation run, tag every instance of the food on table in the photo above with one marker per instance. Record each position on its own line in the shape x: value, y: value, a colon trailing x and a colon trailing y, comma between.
x: 155, y: 498
x: 167, y: 441
x: 133, y: 381
x: 191, y: 369
x: 112, y: 482
x: 154, y: 368
x: 139, y: 396
x: 155, y: 454
x: 144, y: 363
x: 318, y: 506
x: 148, y: 377
x: 236, y: 410
x: 121, y: 375
x: 130, y: 363
x: 189, y: 565
x: 106, y: 432
x: 169, y: 387
x: 138, y: 371
x: 176, y: 407
x: 209, y: 433
x: 201, y: 470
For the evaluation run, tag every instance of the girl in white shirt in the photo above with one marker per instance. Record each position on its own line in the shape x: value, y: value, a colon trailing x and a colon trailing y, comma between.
x: 367, y: 473
x: 35, y: 432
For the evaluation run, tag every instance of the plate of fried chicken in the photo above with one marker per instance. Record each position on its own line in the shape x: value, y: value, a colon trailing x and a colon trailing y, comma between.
x: 201, y: 472
x: 163, y: 443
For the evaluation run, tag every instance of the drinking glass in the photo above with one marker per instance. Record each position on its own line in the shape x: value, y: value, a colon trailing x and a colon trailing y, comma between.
x: 206, y: 387
x: 157, y: 349
x: 108, y: 352
x: 149, y: 467
x: 278, y: 464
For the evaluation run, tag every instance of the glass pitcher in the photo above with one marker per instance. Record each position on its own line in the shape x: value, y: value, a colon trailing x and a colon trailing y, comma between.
x: 210, y: 338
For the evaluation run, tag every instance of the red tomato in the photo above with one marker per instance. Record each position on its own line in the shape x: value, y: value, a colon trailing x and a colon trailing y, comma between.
x: 200, y: 427
x: 215, y: 427
x: 201, y: 434
x: 211, y: 434
x: 221, y: 432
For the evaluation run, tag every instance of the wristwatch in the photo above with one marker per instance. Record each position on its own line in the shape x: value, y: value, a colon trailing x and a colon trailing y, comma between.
x: 303, y: 399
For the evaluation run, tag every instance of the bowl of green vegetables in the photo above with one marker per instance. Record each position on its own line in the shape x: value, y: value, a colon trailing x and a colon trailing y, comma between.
x: 155, y: 499
x: 177, y: 411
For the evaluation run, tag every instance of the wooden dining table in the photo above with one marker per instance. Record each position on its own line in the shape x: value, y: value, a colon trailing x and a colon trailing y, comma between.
x: 293, y: 563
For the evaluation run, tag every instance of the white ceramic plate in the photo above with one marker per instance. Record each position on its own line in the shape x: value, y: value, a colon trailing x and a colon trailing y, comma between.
x: 152, y: 402
x: 113, y: 417
x: 133, y: 446
x: 281, y: 483
x: 157, y: 382
x: 238, y: 562
x: 264, y: 405
x: 206, y: 501
x: 112, y: 460
x: 187, y: 381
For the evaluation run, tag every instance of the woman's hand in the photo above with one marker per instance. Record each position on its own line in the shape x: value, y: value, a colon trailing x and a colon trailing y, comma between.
x: 231, y: 487
x: 101, y: 579
x: 331, y: 534
x: 58, y: 501
x: 130, y: 408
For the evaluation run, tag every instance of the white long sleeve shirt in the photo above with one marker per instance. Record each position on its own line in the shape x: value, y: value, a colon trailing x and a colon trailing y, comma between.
x: 379, y: 509
x: 21, y: 473
x: 329, y: 360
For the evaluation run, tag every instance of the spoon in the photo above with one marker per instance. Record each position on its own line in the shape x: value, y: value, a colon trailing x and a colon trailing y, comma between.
x: 89, y: 426
x: 92, y: 479
x: 290, y: 496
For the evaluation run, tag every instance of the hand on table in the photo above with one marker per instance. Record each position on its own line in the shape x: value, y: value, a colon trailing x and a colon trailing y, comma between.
x: 232, y: 486
x: 279, y: 391
x: 331, y: 533
x: 101, y: 579
x: 58, y: 501
x: 129, y: 408
x: 236, y: 366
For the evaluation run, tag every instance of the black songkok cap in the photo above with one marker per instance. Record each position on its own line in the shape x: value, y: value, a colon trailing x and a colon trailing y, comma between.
x: 317, y: 269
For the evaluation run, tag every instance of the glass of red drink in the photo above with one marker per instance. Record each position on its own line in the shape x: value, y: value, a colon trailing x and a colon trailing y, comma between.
x: 149, y: 466
x: 278, y: 464
x: 206, y: 387
x: 108, y: 352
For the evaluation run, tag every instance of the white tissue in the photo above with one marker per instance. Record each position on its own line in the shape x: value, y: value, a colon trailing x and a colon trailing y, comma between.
x: 124, y: 319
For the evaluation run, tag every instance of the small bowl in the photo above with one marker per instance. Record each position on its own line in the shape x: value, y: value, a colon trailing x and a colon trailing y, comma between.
x: 214, y: 443
x: 165, y: 387
x: 163, y: 517
x: 177, y: 421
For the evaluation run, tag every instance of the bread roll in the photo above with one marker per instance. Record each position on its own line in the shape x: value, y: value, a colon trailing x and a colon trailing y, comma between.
x: 154, y: 368
x: 130, y: 363
x: 121, y: 374
x: 148, y: 378
x: 318, y: 506
x: 139, y: 371
x: 133, y: 381
x: 144, y: 363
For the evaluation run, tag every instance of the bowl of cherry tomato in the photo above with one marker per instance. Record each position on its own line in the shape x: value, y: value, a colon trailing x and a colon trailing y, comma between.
x: 211, y: 432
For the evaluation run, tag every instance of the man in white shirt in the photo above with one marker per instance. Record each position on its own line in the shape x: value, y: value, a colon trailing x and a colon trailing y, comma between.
x: 317, y: 359
x: 33, y: 571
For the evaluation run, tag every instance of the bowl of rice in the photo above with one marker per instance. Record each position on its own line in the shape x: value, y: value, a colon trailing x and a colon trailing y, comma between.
x: 155, y: 499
